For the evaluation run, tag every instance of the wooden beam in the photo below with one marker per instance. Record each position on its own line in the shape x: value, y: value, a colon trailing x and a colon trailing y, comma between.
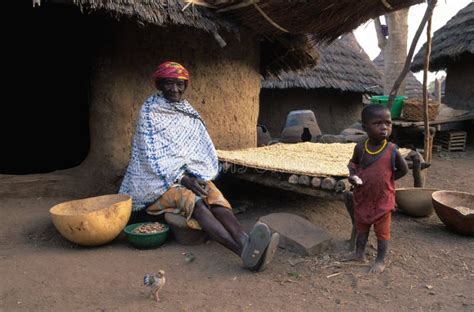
x: 264, y: 179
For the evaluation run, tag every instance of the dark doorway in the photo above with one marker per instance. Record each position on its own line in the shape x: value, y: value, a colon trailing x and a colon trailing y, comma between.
x: 45, y: 98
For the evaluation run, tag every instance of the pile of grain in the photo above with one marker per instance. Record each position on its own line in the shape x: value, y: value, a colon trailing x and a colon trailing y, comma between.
x: 149, y: 228
x: 313, y: 159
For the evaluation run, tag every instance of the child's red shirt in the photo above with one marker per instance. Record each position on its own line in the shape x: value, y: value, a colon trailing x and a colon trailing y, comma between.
x: 376, y: 196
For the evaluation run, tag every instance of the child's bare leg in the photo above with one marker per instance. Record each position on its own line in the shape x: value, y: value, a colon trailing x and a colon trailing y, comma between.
x: 379, y: 265
x: 359, y: 254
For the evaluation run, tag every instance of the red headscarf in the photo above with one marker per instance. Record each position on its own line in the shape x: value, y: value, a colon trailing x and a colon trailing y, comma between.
x: 171, y: 70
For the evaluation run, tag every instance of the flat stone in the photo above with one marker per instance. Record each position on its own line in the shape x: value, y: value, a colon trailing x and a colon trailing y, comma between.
x: 298, y: 234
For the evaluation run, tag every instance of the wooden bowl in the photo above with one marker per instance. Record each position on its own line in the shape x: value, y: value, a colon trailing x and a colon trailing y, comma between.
x: 92, y: 221
x: 415, y: 201
x: 444, y: 203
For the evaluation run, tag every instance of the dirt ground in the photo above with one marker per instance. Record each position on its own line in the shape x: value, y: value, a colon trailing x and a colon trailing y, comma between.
x: 428, y: 267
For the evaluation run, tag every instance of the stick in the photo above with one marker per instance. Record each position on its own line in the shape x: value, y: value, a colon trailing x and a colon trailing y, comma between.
x: 417, y: 180
x: 304, y: 180
x: 427, y: 152
x: 316, y: 182
x: 406, y: 67
x: 328, y: 183
x: 293, y: 179
x: 335, y: 274
x: 342, y: 185
x: 235, y: 7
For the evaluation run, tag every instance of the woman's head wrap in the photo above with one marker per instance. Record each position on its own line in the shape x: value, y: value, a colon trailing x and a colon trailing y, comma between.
x: 171, y: 70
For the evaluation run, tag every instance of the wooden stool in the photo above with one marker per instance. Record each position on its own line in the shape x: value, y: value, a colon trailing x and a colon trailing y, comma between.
x: 183, y: 234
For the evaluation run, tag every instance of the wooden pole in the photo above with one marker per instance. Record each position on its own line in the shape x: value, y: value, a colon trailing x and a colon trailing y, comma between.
x: 438, y: 90
x: 427, y: 147
x: 406, y: 67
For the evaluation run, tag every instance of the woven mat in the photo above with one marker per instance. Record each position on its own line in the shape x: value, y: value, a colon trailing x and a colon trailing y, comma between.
x: 312, y: 159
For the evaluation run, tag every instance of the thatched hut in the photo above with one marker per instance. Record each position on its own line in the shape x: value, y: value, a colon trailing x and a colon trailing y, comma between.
x: 453, y: 51
x: 79, y: 71
x: 333, y: 90
x: 413, y: 87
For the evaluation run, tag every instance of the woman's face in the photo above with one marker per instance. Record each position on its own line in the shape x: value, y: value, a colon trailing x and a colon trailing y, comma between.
x: 172, y: 88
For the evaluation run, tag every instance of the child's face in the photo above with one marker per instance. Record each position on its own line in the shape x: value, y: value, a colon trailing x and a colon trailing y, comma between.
x: 379, y: 125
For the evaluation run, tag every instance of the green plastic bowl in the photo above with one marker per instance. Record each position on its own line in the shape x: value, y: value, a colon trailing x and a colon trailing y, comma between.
x: 396, y: 109
x: 146, y: 240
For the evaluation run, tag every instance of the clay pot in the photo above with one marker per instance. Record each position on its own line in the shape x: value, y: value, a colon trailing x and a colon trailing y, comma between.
x: 263, y: 136
x: 301, y: 126
x: 415, y: 202
x: 444, y: 203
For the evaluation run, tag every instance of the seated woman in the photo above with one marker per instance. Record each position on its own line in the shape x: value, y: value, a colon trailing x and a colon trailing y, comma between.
x: 171, y: 167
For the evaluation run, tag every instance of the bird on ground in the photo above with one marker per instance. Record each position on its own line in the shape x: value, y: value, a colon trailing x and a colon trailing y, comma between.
x: 155, y: 281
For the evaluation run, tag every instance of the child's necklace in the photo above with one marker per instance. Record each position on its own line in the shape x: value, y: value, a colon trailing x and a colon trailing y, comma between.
x: 377, y: 151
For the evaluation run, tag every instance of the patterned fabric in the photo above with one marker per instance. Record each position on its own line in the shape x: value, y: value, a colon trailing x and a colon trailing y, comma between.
x: 170, y: 139
x: 171, y: 70
x: 180, y: 200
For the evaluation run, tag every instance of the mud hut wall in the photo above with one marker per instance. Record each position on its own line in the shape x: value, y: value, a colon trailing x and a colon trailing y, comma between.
x: 224, y: 87
x: 334, y: 110
x: 459, y: 82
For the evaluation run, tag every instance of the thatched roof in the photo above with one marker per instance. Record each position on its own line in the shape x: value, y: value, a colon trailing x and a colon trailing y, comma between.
x: 158, y: 12
x: 413, y: 88
x: 450, y: 41
x: 342, y: 66
x: 289, y: 52
x: 326, y: 20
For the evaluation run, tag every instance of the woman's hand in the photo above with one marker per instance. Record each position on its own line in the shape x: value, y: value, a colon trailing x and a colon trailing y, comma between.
x: 197, y: 186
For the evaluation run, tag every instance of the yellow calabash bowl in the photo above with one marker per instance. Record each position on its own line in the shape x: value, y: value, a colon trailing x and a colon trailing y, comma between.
x: 92, y: 221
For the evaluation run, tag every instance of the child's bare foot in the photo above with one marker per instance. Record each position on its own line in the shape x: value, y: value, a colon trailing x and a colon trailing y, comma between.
x: 378, y: 267
x: 355, y: 257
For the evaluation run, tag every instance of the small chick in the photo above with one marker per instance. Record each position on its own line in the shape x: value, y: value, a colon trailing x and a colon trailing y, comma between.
x: 156, y: 281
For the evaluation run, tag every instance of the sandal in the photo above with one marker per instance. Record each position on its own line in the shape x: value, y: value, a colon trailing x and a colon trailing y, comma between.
x: 269, y: 253
x: 254, y: 248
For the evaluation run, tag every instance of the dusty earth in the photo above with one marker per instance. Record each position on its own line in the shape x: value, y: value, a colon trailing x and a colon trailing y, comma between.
x: 429, y: 268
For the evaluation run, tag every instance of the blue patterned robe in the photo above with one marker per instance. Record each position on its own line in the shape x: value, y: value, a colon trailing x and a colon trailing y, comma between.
x: 170, y: 139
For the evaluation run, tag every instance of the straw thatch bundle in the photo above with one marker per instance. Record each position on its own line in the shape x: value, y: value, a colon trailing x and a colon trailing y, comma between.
x: 342, y: 66
x: 450, y: 41
x: 158, y: 12
x: 325, y: 19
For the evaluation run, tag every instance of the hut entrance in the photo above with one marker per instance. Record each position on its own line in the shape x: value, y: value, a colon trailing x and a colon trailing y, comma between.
x: 44, y: 107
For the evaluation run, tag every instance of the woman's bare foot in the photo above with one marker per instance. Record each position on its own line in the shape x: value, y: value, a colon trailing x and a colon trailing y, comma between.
x: 378, y: 267
x: 355, y: 257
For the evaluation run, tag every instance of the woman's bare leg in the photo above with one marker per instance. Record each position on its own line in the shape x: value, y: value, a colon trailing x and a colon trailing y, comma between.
x: 230, y: 222
x: 212, y: 226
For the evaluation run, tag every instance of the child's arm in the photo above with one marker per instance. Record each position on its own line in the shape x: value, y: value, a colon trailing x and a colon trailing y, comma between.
x: 353, y: 163
x: 400, y: 165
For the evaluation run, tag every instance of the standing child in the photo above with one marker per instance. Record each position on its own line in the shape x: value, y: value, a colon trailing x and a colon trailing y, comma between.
x: 374, y: 167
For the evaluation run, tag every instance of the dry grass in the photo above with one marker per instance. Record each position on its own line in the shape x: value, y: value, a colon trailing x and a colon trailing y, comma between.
x: 313, y: 159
